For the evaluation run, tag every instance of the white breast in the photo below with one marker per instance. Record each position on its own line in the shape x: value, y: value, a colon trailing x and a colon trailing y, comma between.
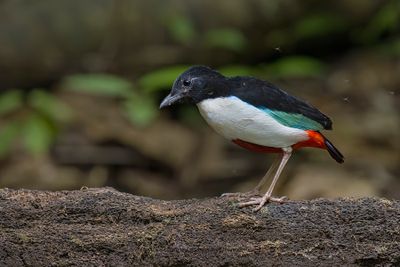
x: 235, y: 119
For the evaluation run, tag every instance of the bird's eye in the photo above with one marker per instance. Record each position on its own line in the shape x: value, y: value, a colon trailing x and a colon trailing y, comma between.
x: 186, y: 82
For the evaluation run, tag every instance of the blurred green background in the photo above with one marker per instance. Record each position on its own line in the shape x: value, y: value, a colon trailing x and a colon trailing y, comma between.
x: 81, y: 82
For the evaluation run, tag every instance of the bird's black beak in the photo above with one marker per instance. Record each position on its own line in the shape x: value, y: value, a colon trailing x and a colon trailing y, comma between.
x: 170, y: 100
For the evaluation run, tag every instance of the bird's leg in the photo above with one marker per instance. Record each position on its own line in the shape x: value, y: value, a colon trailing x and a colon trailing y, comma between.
x: 256, y: 190
x: 260, y: 201
x: 266, y: 177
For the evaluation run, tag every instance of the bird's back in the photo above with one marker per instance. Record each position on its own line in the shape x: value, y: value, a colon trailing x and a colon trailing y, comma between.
x: 286, y: 108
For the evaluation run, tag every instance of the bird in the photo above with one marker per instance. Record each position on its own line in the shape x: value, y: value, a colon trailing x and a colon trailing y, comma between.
x: 256, y: 115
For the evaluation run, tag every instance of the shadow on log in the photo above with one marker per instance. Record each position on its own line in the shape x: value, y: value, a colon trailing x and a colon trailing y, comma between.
x: 97, y: 227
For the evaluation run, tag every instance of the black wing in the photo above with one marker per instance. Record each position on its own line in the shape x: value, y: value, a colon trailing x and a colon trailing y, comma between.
x: 264, y: 94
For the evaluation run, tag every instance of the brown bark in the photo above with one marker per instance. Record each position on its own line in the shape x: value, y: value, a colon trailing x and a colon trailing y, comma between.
x: 97, y: 227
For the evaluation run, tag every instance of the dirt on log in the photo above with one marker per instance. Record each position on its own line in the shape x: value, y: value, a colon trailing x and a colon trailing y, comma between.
x: 98, y: 227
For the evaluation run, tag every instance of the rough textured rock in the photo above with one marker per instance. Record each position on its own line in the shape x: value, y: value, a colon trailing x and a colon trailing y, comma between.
x: 97, y: 227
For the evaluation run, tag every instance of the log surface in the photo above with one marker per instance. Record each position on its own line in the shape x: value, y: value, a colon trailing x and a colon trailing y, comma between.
x: 102, y: 227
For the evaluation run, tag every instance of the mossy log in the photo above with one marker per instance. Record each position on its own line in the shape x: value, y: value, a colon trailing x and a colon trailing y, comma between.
x: 104, y: 227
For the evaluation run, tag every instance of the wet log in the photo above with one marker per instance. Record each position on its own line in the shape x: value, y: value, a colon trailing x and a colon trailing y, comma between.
x: 98, y: 227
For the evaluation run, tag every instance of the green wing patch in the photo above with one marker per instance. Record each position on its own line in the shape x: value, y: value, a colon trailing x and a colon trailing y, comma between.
x: 293, y: 120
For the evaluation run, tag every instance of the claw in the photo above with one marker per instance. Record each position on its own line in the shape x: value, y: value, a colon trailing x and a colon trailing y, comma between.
x: 261, y: 201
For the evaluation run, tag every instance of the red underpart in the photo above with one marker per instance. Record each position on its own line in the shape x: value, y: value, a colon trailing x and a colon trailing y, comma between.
x: 256, y: 148
x: 315, y: 140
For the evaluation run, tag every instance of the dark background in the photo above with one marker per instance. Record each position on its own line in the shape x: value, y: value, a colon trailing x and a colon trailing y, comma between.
x: 81, y: 82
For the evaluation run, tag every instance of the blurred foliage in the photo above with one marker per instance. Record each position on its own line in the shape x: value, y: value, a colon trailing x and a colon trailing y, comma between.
x: 390, y: 48
x: 38, y: 133
x: 136, y: 104
x: 310, y: 28
x: 317, y: 25
x: 249, y: 46
x: 161, y: 78
x: 385, y: 21
x: 8, y: 135
x: 49, y: 105
x: 226, y: 38
x: 283, y: 68
x: 10, y: 101
x: 98, y: 83
x: 141, y: 109
x: 32, y: 120
x: 294, y: 67
x: 181, y: 29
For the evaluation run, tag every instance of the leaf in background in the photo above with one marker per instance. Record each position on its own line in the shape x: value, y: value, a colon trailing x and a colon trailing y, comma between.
x: 236, y: 70
x: 140, y: 110
x: 227, y: 38
x: 161, y: 78
x: 10, y: 101
x: 295, y: 66
x: 319, y: 24
x: 182, y: 29
x: 38, y: 134
x: 7, y: 135
x: 390, y: 48
x: 387, y: 19
x: 101, y: 84
x: 49, y: 105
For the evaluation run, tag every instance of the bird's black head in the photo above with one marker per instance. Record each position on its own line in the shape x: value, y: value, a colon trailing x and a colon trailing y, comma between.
x: 194, y: 85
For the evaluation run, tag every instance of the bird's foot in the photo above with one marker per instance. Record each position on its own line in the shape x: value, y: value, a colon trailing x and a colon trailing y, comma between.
x: 261, y: 201
x: 250, y: 194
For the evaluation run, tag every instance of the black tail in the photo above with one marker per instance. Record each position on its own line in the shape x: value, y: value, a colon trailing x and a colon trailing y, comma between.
x: 333, y: 151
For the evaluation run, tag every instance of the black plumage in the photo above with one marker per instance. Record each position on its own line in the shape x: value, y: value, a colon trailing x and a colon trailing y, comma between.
x: 208, y: 84
x: 261, y: 93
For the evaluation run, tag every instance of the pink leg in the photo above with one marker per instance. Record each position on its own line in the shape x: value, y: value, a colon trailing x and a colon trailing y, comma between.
x: 260, y: 201
x: 256, y: 190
